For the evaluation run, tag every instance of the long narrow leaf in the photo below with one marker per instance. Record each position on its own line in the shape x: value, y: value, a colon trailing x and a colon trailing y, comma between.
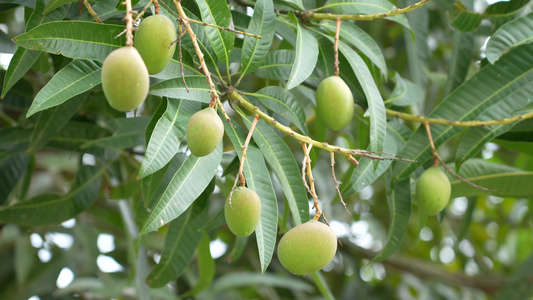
x: 511, y: 34
x: 186, y: 185
x: 175, y: 88
x: 306, y: 56
x: 218, y: 13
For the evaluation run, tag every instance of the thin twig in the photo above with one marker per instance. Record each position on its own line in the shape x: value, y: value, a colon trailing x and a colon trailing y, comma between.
x: 244, y: 148
x: 233, y: 95
x: 332, y: 159
x: 336, y: 48
x: 475, y: 123
x: 91, y: 11
x: 304, y: 168
x: 129, y: 24
x: 156, y: 6
x: 139, y: 15
x: 311, y: 15
x: 437, y: 158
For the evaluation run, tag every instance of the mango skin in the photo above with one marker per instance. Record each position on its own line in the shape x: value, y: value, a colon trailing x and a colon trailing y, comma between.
x: 204, y: 132
x: 125, y: 79
x: 307, y: 247
x: 153, y: 38
x: 244, y: 213
x: 334, y: 103
x: 433, y: 191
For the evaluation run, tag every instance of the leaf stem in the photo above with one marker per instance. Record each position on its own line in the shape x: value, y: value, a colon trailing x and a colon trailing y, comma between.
x: 475, y: 123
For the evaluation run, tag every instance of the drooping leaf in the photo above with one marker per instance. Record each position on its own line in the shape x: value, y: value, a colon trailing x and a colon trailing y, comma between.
x: 284, y: 104
x: 155, y: 184
x: 511, y: 34
x: 354, y: 35
x: 180, y: 243
x: 258, y: 179
x: 48, y: 209
x: 129, y: 133
x: 399, y: 200
x: 417, y: 48
x: 77, y: 77
x: 463, y: 19
x: 24, y: 58
x: 306, y: 56
x: 277, y: 65
x: 376, y: 107
x: 218, y: 13
x: 493, y: 83
x: 167, y: 135
x: 254, y: 50
x: 11, y: 170
x: 186, y: 185
x: 51, y: 121
x: 280, y: 158
x: 54, y: 4
x: 74, y: 39
x: 206, y: 267
x: 507, y: 181
x: 298, y: 3
x: 175, y: 88
x: 463, y: 49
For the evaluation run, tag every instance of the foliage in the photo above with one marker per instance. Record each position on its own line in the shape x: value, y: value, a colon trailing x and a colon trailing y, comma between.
x: 74, y: 171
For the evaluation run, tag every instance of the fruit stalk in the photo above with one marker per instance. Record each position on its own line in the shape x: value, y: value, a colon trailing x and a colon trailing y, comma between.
x: 311, y: 187
x: 336, y: 48
x: 91, y: 11
x: 129, y: 24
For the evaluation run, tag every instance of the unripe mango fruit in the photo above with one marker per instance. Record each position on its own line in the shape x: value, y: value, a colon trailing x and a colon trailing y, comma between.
x: 243, y: 215
x: 204, y: 132
x: 334, y: 103
x: 307, y: 247
x: 125, y: 79
x: 153, y: 38
x: 433, y: 190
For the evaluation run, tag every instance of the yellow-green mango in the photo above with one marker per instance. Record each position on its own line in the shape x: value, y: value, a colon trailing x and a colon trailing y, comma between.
x: 334, y: 103
x: 244, y: 213
x: 204, y: 132
x: 433, y: 191
x: 153, y: 38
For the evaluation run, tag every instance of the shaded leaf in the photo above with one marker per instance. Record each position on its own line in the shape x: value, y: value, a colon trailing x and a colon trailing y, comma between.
x: 175, y: 88
x: 129, y: 133
x: 48, y: 209
x: 206, y: 267
x: 405, y: 92
x: 277, y: 65
x: 186, y: 185
x: 366, y: 7
x: 11, y: 170
x: 463, y: 19
x: 511, y: 34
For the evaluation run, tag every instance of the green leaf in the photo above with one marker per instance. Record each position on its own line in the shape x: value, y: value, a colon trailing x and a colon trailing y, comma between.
x: 462, y: 52
x: 51, y: 121
x: 511, y: 34
x: 77, y: 77
x: 354, y: 35
x: 254, y: 50
x: 167, y: 135
x: 258, y: 179
x: 322, y: 285
x: 511, y: 75
x: 186, y: 185
x: 306, y: 56
x: 217, y: 12
x: 284, y: 104
x: 24, y: 58
x: 463, y: 19
x: 11, y: 170
x: 206, y: 267
x: 129, y: 133
x: 199, y: 89
x: 242, y: 279
x: 280, y: 158
x: 48, y: 209
x: 155, y: 184
x: 399, y: 200
x: 366, y: 7
x: 475, y: 138
x: 74, y: 39
x: 376, y: 107
x: 54, y: 4
x: 507, y: 181
x: 181, y: 241
x: 298, y: 3
x: 405, y: 92
x: 277, y: 65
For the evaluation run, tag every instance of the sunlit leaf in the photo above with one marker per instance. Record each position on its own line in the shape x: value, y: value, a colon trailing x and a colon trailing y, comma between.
x: 306, y: 56
x: 218, y: 13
